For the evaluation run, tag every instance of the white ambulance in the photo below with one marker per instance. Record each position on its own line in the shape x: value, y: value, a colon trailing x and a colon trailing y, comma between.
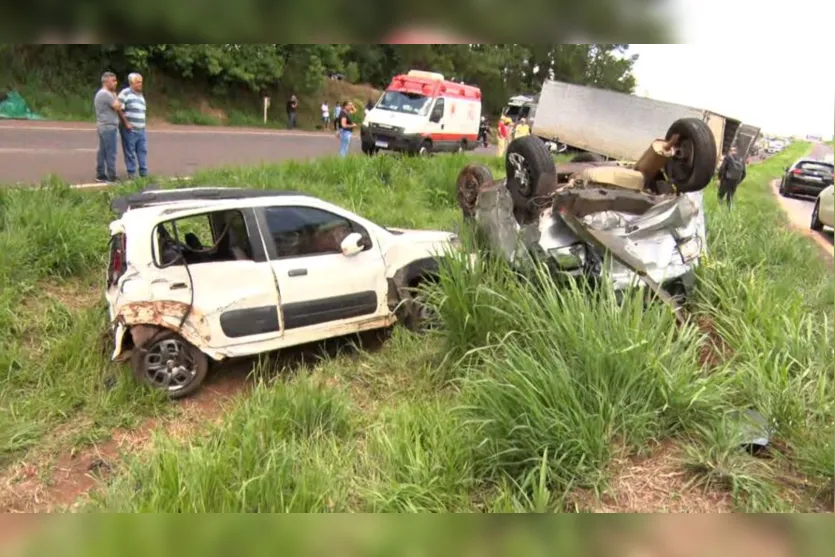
x: 421, y: 113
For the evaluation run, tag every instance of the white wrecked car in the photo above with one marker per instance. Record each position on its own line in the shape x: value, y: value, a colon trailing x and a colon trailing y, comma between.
x: 213, y: 273
x: 642, y: 223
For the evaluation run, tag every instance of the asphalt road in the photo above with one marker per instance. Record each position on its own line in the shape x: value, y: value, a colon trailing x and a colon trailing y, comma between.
x: 799, y: 209
x: 30, y: 151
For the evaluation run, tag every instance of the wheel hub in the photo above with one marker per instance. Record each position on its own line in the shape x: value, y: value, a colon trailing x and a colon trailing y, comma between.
x: 169, y: 366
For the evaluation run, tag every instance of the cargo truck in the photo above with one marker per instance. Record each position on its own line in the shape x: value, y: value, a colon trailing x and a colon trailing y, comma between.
x: 608, y: 124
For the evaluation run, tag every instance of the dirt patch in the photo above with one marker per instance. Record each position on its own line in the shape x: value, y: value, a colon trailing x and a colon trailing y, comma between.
x: 49, y: 483
x: 655, y: 483
x: 217, y: 114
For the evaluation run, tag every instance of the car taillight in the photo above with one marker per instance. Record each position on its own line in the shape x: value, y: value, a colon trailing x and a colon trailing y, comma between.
x: 797, y: 171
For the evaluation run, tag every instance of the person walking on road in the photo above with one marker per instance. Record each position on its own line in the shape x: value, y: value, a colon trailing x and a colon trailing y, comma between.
x: 108, y: 115
x: 731, y: 173
x: 132, y: 130
x: 346, y: 127
x: 292, y: 105
x: 503, y: 135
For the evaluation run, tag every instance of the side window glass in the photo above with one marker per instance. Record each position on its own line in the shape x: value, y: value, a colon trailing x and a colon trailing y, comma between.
x: 437, y: 111
x: 206, y: 238
x: 304, y: 231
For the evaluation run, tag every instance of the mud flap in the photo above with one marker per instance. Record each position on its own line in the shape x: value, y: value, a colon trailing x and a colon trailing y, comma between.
x: 495, y: 219
x: 119, y: 335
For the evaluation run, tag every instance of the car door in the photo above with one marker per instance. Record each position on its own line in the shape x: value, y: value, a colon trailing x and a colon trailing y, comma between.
x: 223, y: 274
x: 320, y: 287
x: 826, y: 210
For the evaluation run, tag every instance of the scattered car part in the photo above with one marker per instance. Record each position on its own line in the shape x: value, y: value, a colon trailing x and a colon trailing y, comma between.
x: 752, y: 430
x: 472, y: 179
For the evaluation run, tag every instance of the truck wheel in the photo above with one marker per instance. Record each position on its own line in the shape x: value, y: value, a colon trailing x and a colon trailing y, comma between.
x: 368, y: 149
x: 694, y: 163
x: 588, y: 157
x: 168, y: 362
x: 471, y: 180
x: 425, y: 148
x: 529, y: 166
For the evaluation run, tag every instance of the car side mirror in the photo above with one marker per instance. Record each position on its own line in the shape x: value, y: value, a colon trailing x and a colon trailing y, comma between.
x: 352, y: 244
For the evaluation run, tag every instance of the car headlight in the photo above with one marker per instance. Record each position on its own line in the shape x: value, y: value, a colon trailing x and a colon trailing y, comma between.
x: 569, y: 257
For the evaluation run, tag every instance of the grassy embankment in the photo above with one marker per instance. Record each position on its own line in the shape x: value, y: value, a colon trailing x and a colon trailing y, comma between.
x: 180, y: 102
x: 527, y: 399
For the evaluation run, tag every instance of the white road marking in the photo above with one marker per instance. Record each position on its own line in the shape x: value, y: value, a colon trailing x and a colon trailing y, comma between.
x: 39, y: 150
x: 213, y: 130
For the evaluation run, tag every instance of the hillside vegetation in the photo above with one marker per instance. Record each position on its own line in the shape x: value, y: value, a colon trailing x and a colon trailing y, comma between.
x: 224, y: 83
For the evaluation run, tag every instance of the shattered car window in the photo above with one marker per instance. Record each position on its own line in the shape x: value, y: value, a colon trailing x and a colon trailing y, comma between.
x: 207, y: 238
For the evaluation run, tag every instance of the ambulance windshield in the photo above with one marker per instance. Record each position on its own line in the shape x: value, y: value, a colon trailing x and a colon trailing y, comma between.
x: 409, y: 103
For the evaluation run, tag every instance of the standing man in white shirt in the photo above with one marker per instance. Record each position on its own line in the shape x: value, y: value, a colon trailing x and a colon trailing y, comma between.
x: 326, y: 115
x: 132, y: 130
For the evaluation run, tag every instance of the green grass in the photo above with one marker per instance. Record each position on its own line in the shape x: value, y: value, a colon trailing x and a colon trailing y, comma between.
x: 525, y: 394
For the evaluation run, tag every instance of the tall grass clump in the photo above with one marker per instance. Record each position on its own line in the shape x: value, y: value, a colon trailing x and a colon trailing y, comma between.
x: 563, y: 373
x: 286, y: 448
x: 770, y: 295
x: 418, y: 458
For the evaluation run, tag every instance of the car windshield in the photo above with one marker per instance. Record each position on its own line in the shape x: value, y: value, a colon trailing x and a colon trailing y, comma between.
x: 409, y: 103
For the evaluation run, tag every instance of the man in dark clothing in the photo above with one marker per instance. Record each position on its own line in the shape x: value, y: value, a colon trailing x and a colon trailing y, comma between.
x: 731, y: 173
x: 292, y: 104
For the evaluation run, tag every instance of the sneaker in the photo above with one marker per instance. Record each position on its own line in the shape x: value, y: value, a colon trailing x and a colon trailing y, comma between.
x: 101, y: 180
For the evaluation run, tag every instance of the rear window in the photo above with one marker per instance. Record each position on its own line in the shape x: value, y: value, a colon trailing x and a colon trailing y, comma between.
x: 816, y: 166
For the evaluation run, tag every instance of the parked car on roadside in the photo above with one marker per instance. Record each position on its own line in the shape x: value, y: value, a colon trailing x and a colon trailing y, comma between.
x: 823, y: 213
x: 806, y: 177
x: 214, y: 273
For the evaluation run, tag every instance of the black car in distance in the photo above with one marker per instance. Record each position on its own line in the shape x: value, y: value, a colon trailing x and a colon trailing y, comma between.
x: 806, y: 177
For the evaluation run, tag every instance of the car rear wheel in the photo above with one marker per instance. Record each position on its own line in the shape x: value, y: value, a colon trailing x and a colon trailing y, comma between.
x: 783, y: 191
x: 529, y: 166
x: 170, y: 363
x: 691, y: 168
x: 816, y: 223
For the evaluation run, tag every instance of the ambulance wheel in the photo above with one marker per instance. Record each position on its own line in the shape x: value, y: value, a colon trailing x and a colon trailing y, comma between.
x: 425, y: 148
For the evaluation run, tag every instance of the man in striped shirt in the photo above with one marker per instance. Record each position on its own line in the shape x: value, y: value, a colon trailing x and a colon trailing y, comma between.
x: 132, y: 130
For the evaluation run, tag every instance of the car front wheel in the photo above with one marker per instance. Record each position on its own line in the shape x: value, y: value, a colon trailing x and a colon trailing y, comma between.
x: 170, y: 363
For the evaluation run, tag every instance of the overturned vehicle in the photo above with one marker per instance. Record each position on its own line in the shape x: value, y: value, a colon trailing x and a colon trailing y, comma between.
x: 633, y: 223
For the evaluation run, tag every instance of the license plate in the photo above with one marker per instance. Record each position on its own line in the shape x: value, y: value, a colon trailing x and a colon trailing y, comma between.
x: 381, y: 144
x: 689, y: 250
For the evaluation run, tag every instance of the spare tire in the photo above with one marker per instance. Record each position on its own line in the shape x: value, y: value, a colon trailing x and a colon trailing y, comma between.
x: 472, y: 179
x: 529, y: 166
x: 588, y: 157
x: 694, y: 163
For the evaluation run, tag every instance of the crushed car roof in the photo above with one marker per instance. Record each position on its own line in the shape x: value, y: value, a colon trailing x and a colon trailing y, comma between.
x: 148, y: 197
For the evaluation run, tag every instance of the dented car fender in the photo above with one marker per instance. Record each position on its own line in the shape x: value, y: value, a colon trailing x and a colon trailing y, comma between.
x: 179, y: 317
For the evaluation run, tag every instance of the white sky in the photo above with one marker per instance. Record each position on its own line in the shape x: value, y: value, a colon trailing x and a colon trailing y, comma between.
x: 770, y: 63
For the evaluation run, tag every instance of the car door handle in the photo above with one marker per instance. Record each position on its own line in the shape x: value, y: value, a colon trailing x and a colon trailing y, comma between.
x: 178, y: 286
x: 297, y: 272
